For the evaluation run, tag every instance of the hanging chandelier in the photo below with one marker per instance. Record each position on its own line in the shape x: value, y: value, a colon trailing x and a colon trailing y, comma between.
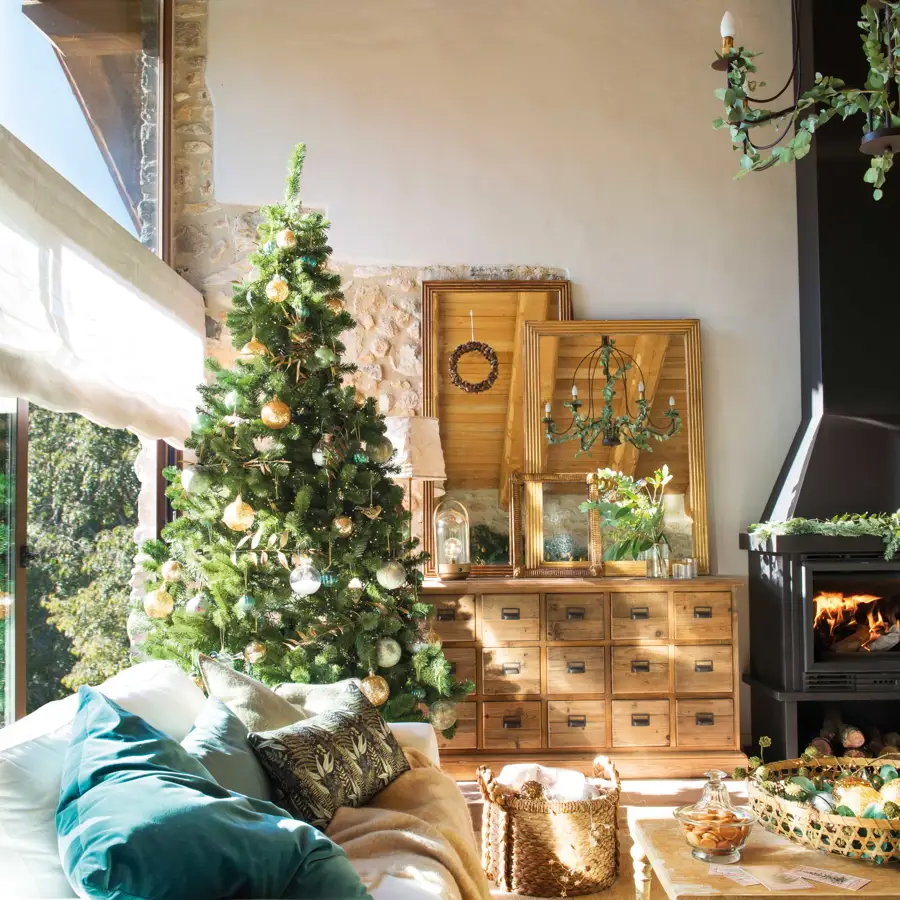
x: 809, y: 110
x: 633, y: 426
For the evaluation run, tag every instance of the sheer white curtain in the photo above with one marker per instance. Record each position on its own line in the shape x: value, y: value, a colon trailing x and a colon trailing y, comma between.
x: 90, y: 321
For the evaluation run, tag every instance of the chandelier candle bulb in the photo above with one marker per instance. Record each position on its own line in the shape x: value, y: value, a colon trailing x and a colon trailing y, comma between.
x: 671, y: 401
x: 727, y: 30
x: 574, y: 391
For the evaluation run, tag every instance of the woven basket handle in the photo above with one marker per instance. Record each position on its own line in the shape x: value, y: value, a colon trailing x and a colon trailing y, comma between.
x: 485, y: 778
x: 605, y: 770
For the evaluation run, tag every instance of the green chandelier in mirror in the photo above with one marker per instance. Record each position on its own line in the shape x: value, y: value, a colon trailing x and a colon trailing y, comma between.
x: 632, y: 426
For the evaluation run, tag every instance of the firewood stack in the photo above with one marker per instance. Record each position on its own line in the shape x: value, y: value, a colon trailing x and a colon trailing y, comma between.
x: 840, y: 739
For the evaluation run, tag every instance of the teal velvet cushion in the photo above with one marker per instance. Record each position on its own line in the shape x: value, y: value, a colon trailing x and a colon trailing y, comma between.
x: 141, y: 819
x: 219, y: 741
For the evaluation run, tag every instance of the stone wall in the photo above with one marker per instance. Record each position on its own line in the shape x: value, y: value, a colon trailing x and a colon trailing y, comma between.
x: 211, y: 243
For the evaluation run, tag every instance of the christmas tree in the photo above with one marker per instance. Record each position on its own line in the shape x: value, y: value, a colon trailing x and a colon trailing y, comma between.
x: 291, y: 554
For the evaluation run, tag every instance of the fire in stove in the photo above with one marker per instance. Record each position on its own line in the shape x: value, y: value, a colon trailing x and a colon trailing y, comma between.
x: 847, y: 623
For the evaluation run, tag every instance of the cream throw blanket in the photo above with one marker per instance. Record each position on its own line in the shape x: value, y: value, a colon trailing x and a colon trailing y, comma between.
x: 417, y: 828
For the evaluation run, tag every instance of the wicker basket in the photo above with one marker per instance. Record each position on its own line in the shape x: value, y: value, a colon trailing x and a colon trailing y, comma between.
x: 877, y: 840
x: 542, y: 849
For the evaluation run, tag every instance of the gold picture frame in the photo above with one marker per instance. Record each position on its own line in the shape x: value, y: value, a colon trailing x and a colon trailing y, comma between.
x: 527, y: 508
x: 678, y: 338
x: 480, y: 294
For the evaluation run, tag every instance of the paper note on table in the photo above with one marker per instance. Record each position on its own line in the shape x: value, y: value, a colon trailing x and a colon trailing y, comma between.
x: 735, y: 873
x: 777, y: 879
x: 833, y: 879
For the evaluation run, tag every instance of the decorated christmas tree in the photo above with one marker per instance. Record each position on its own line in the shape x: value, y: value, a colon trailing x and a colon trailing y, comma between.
x: 291, y: 553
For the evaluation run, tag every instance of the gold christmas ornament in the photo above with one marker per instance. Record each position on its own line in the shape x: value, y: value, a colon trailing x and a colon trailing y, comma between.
x: 275, y: 414
x: 277, y: 289
x: 375, y: 689
x: 254, y: 652
x: 6, y: 604
x: 334, y: 305
x: 238, y: 516
x: 172, y: 570
x: 252, y: 349
x: 343, y: 525
x: 286, y: 239
x: 159, y: 604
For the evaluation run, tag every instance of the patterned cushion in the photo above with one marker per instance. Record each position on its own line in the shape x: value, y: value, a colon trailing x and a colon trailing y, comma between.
x: 342, y: 757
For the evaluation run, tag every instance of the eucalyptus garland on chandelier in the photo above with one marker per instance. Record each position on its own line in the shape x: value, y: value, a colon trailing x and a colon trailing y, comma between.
x: 877, y: 101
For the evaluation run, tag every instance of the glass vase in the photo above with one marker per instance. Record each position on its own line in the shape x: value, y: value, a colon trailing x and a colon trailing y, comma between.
x: 657, y: 558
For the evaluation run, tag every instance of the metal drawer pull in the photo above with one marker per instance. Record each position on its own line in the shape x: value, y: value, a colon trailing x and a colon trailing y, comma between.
x: 575, y: 613
x: 452, y: 668
x: 640, y: 665
x: 512, y: 722
x: 703, y: 665
x: 640, y: 612
x: 575, y: 668
x: 446, y: 615
x: 702, y: 612
x: 513, y: 668
x: 640, y: 720
x: 510, y: 613
x: 705, y: 719
x: 577, y: 722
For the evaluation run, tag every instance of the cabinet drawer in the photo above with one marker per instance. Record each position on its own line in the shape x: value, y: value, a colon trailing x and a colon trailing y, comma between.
x: 640, y: 670
x: 462, y: 662
x: 511, y: 670
x: 466, y: 737
x: 454, y: 618
x: 575, y: 617
x: 512, y: 725
x: 704, y: 668
x: 640, y: 723
x: 639, y: 615
x: 705, y: 723
x: 703, y: 616
x: 576, y: 723
x: 510, y: 617
x: 576, y: 670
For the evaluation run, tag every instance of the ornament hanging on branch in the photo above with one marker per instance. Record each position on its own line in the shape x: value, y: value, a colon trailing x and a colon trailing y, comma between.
x: 286, y: 239
x: 325, y: 356
x: 172, y: 570
x: 254, y: 652
x: 387, y: 652
x: 159, y: 604
x: 277, y: 289
x: 196, y: 606
x: 343, y: 525
x: 195, y: 480
x: 245, y: 605
x: 443, y: 715
x: 380, y: 450
x: 305, y: 579
x: 238, y: 516
x: 486, y: 351
x: 275, y: 414
x: 325, y: 452
x: 391, y: 575
x: 252, y: 349
x: 375, y: 689
x: 334, y: 305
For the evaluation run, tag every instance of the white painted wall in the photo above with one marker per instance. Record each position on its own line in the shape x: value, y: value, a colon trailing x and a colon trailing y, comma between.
x: 571, y: 133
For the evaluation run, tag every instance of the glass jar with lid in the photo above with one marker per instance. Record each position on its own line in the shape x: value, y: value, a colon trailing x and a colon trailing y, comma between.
x: 451, y: 540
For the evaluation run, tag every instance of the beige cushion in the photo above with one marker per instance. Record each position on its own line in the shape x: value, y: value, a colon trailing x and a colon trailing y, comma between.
x: 315, y: 698
x: 257, y: 706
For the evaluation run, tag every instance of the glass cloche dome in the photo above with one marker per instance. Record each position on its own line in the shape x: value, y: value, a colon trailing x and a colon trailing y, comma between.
x: 451, y: 540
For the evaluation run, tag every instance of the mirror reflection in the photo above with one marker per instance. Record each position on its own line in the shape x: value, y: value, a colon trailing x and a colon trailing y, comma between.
x: 566, y: 527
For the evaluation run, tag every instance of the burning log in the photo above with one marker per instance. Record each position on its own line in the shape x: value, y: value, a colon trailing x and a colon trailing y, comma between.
x: 853, y: 642
x: 885, y: 641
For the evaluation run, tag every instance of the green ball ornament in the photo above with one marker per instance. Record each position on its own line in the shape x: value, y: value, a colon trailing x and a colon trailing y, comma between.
x: 325, y: 356
x: 195, y: 480
x: 387, y: 652
x: 380, y: 450
x: 203, y: 422
x: 245, y: 605
x: 329, y: 579
x: 391, y: 575
x: 359, y: 452
x: 443, y: 714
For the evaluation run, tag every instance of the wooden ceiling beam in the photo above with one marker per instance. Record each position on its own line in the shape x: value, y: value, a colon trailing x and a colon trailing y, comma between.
x: 84, y: 18
x: 650, y: 352
x: 532, y: 307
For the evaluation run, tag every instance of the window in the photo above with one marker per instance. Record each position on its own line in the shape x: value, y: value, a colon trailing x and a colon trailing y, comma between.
x: 7, y: 563
x: 80, y: 86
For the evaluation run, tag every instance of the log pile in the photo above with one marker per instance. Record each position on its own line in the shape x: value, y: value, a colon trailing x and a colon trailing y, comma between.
x: 837, y: 738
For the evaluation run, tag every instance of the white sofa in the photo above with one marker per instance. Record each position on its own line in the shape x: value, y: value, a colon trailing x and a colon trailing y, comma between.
x: 31, y: 760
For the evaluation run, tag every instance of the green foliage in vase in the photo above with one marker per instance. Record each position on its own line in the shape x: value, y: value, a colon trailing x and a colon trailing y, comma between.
x: 885, y: 526
x: 631, y: 512
x: 827, y: 98
x: 298, y: 487
x: 82, y: 509
x: 489, y: 547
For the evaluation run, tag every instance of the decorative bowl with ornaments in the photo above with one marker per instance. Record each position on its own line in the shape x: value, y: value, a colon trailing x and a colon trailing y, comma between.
x: 715, y: 829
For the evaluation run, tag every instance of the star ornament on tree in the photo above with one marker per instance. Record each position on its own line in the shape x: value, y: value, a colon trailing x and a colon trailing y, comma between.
x: 289, y: 524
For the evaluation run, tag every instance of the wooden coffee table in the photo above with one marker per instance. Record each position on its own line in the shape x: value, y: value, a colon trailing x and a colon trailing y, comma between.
x: 659, y: 846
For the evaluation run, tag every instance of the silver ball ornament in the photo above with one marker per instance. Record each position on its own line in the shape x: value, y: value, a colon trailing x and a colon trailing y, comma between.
x: 197, y: 605
x: 387, y: 652
x: 443, y: 714
x: 391, y: 575
x: 305, y: 579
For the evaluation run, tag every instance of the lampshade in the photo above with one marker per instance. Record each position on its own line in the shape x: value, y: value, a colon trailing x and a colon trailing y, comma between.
x: 417, y: 447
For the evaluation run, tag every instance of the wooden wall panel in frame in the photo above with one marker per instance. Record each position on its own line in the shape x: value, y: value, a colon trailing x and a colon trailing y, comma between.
x: 482, y: 434
x: 667, y: 353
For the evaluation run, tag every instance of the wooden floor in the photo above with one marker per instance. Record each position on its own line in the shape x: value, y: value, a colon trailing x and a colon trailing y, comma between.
x: 662, y: 794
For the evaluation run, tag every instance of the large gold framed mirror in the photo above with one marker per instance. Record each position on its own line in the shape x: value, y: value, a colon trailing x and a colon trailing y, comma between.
x: 659, y: 361
x: 482, y: 433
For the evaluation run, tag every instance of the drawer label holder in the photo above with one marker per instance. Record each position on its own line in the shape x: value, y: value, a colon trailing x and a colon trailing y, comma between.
x: 577, y: 721
x: 706, y: 718
x: 703, y: 612
x: 640, y: 720
x: 512, y: 721
x: 575, y: 668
